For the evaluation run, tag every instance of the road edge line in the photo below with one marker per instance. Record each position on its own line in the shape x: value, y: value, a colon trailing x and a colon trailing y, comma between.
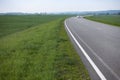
x: 112, y: 72
x: 100, y: 74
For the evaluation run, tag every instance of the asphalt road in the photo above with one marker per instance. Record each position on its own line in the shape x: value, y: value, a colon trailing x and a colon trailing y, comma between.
x: 98, y: 46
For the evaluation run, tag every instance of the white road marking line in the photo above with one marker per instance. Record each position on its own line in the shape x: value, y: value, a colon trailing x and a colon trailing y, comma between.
x: 99, y: 58
x: 100, y: 74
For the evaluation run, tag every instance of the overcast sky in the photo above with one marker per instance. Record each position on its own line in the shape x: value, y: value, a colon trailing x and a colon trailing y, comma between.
x: 57, y: 5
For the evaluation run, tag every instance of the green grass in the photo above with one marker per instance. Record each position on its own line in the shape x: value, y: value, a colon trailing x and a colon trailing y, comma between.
x: 41, y: 52
x: 11, y: 24
x: 108, y: 19
x: 68, y: 64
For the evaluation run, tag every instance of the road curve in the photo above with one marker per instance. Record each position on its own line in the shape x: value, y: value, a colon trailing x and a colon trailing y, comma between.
x: 98, y: 46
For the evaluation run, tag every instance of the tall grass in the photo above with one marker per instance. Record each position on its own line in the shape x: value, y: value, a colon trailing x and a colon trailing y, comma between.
x: 42, y: 52
x: 29, y: 54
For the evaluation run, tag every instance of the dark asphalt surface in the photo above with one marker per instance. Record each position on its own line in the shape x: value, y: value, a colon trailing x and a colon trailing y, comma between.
x: 102, y: 44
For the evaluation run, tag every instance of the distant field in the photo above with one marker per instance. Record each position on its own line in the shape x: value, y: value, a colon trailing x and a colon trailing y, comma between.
x: 41, y: 51
x: 108, y: 19
x: 11, y: 24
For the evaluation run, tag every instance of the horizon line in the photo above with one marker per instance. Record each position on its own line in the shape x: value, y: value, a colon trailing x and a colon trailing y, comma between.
x: 57, y: 11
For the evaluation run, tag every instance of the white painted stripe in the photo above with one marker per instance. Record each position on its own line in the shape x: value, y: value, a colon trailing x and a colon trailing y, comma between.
x: 100, y: 74
x: 100, y: 59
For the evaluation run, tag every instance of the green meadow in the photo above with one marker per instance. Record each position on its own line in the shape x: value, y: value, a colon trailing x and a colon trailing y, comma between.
x: 36, y: 47
x: 107, y: 19
x: 12, y: 24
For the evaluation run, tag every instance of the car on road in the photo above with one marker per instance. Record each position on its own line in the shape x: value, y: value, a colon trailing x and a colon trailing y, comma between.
x: 79, y: 16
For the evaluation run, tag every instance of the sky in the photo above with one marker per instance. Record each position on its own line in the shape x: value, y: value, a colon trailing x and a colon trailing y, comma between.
x: 49, y: 6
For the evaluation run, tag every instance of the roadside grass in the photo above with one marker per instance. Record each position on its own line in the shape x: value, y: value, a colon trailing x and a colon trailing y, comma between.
x: 42, y: 52
x: 10, y: 24
x: 29, y: 54
x: 68, y: 65
x: 107, y: 19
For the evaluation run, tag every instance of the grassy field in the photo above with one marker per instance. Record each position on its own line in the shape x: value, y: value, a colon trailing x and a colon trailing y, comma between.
x: 11, y: 24
x: 108, y: 19
x: 41, y: 52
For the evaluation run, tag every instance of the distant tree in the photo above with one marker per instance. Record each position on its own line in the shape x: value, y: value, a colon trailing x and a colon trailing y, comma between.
x: 119, y: 13
x: 107, y: 13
